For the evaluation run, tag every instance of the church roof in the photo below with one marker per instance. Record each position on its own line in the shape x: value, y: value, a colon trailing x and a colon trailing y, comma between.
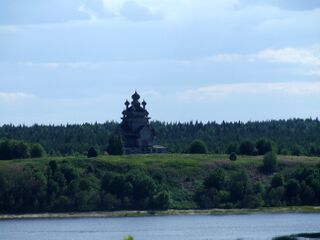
x: 135, y: 110
x: 135, y: 96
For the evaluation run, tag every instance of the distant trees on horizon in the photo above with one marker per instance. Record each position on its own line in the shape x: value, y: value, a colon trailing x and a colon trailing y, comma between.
x: 287, y: 137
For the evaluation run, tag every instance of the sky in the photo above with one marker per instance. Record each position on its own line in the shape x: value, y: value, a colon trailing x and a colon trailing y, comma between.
x: 78, y: 61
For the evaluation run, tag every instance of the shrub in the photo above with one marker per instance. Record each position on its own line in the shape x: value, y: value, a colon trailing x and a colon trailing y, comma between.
x: 263, y: 146
x: 110, y: 202
x: 240, y: 185
x: 162, y: 200
x: 36, y: 150
x: 276, y: 196
x: 198, y: 146
x: 269, y: 162
x: 143, y: 187
x: 276, y: 181
x: 232, y: 148
x: 216, y: 179
x: 233, y: 156
x: 296, y: 150
x: 62, y: 203
x: 107, y: 180
x: 292, y: 188
x: 246, y: 148
x: 13, y: 149
x: 53, y: 165
x: 92, y: 152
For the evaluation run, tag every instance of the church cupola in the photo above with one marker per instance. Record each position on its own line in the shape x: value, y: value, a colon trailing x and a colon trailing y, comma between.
x: 135, y: 96
x: 127, y: 104
x: 135, y: 100
x: 144, y: 104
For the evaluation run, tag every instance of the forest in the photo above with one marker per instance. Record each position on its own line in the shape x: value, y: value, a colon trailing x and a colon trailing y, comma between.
x: 211, y: 165
x: 157, y: 182
x: 287, y: 137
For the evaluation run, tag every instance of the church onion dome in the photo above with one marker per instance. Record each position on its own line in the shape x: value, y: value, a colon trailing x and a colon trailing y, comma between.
x: 144, y: 103
x: 135, y: 96
x: 126, y: 103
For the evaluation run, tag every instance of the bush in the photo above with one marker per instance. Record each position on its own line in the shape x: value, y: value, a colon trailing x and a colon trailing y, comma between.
x: 62, y: 203
x: 240, y: 186
x: 198, y: 147
x: 13, y: 149
x: 115, y: 146
x: 162, y: 200
x: 233, y: 156
x: 292, y: 188
x: 232, y: 148
x: 296, y: 150
x: 36, y: 150
x: 92, y: 152
x: 246, y: 148
x: 269, y: 162
x: 276, y: 181
x: 276, y: 196
x: 263, y: 146
x: 143, y: 187
x: 107, y: 180
x: 216, y: 179
x: 110, y: 202
x: 53, y: 166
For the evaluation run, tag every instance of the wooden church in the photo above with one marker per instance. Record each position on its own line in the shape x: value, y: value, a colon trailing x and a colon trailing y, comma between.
x: 137, y: 134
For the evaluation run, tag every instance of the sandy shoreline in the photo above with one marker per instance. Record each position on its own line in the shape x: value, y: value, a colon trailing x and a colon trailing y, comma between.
x: 300, y: 209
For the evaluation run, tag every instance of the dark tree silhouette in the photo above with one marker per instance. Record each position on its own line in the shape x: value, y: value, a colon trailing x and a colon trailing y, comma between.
x: 36, y: 151
x: 246, y: 148
x: 263, y: 146
x: 233, y: 156
x: 115, y: 146
x: 92, y: 152
x: 269, y: 162
x: 198, y: 146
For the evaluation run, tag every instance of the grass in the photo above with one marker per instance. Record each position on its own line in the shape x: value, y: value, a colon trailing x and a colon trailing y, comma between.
x: 171, y: 160
x: 172, y: 212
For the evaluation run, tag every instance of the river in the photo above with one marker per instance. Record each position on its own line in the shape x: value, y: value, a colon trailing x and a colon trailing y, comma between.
x: 191, y: 227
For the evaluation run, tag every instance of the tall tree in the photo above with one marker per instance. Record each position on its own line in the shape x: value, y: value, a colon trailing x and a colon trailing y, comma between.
x: 115, y: 146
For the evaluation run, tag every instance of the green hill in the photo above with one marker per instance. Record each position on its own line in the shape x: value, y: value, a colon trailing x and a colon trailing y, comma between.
x: 150, y: 182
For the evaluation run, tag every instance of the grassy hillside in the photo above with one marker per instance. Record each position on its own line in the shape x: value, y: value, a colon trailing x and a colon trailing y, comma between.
x: 179, y: 181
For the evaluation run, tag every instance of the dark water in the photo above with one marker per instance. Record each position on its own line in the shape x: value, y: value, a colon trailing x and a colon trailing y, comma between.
x: 254, y: 226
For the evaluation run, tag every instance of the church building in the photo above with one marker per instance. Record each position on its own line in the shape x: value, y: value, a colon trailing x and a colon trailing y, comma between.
x: 137, y: 134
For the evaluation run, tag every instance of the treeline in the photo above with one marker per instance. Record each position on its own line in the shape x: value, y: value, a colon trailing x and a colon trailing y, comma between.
x: 292, y: 137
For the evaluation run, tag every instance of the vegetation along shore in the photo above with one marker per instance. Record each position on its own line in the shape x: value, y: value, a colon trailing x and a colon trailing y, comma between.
x: 158, y: 182
x: 169, y: 212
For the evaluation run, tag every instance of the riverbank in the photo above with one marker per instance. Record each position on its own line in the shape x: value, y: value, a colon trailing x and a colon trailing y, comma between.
x: 164, y: 181
x: 297, y: 209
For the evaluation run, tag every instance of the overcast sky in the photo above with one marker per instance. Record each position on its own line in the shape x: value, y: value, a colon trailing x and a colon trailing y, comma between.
x: 78, y: 61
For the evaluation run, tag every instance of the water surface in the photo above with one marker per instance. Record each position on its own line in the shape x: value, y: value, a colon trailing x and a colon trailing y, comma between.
x: 196, y: 227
